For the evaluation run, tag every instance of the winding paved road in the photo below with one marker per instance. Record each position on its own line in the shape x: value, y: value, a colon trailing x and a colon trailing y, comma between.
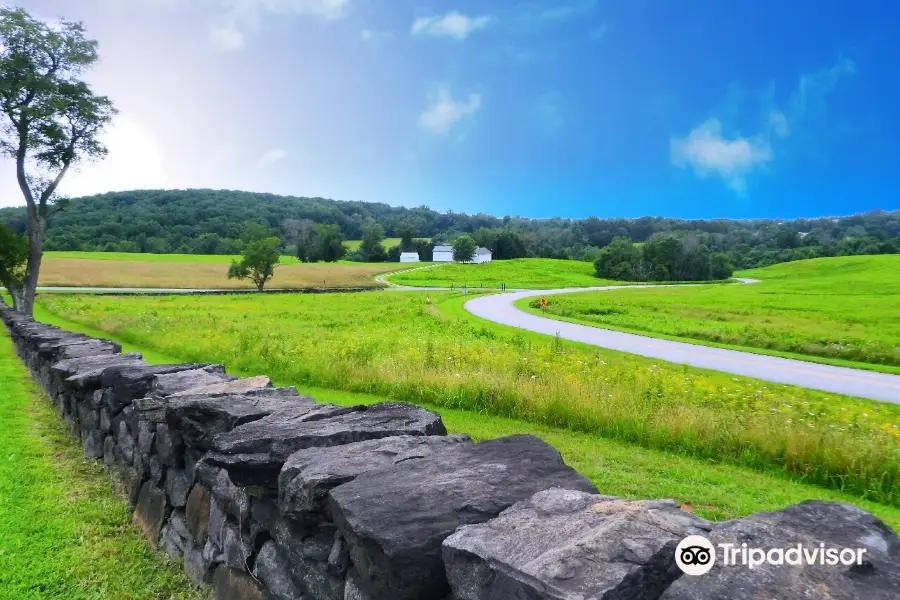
x: 838, y: 380
x: 499, y: 308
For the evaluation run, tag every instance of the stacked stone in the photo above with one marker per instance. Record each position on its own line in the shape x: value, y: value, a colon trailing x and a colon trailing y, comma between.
x: 266, y: 494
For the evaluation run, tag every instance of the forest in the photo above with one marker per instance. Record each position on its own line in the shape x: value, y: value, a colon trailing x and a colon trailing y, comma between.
x: 213, y: 221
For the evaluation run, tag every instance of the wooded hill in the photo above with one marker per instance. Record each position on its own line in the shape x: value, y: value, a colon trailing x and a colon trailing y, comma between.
x: 211, y: 222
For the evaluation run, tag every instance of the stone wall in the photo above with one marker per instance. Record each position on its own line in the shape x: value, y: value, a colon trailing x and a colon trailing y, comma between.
x: 265, y: 493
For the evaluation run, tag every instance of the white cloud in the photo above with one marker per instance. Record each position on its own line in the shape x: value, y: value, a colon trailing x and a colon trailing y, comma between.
x: 226, y: 37
x: 368, y: 35
x: 238, y: 18
x: 708, y: 152
x: 814, y: 87
x: 779, y: 123
x: 270, y: 158
x: 453, y: 24
x: 135, y: 161
x: 443, y: 112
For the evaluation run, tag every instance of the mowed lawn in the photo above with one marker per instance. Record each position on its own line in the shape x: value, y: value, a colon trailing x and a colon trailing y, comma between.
x: 524, y: 273
x: 843, y: 309
x: 63, y: 533
x: 388, y: 243
x: 423, y: 347
x: 118, y: 269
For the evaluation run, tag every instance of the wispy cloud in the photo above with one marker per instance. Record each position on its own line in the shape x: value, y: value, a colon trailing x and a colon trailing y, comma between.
x: 453, y: 24
x: 443, y: 112
x: 535, y: 16
x: 371, y: 36
x: 236, y: 19
x: 708, y: 152
x: 270, y: 158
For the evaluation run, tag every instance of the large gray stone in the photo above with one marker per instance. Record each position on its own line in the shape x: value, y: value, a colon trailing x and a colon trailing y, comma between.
x: 169, y: 446
x: 234, y: 386
x: 395, y: 519
x: 178, y: 486
x: 200, y: 418
x: 233, y: 499
x: 233, y: 584
x: 569, y: 545
x: 151, y: 511
x: 166, y: 384
x: 272, y: 570
x: 122, y: 384
x: 253, y: 454
x: 307, y: 551
x: 196, y: 513
x: 810, y: 523
x: 175, y: 537
x: 309, y: 474
x: 86, y: 373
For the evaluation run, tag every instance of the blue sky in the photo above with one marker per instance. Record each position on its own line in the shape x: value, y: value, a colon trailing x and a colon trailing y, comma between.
x: 702, y: 108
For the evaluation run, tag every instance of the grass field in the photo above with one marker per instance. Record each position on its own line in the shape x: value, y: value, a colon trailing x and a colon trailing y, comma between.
x: 525, y: 273
x: 839, y: 309
x: 119, y: 269
x: 63, y: 533
x: 386, y: 242
x: 423, y: 347
x: 714, y: 491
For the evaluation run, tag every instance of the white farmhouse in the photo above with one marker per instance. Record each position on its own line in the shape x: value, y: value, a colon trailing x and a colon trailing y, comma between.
x: 442, y: 254
x: 409, y: 257
x: 482, y: 255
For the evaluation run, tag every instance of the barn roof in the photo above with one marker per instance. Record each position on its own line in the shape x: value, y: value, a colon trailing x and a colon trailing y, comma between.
x: 481, y: 250
x: 443, y: 249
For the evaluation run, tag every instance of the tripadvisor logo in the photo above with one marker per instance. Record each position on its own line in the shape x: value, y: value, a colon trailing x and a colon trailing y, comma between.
x: 696, y: 555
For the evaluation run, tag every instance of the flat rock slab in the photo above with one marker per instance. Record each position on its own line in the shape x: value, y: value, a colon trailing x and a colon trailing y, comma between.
x: 236, y: 386
x: 122, y: 384
x: 309, y: 474
x: 232, y: 584
x: 179, y: 381
x: 570, y: 545
x: 200, y: 418
x: 253, y: 454
x: 395, y: 519
x: 86, y: 372
x: 810, y: 524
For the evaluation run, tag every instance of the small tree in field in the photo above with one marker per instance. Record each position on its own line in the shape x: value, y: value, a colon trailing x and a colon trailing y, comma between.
x: 13, y: 256
x: 50, y: 119
x: 464, y: 248
x: 258, y: 262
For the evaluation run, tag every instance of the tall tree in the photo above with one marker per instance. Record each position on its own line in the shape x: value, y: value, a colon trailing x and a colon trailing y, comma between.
x: 51, y: 119
x: 371, y: 248
x: 13, y: 256
x: 464, y: 248
x: 405, y: 230
x: 328, y: 244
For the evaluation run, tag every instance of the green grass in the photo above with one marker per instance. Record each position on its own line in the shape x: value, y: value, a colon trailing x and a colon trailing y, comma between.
x: 843, y: 311
x: 388, y: 243
x: 525, y: 273
x: 713, y: 491
x: 63, y: 533
x: 423, y: 348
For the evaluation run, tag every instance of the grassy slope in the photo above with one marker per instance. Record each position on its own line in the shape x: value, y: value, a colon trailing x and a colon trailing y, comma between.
x: 714, y: 491
x: 423, y: 347
x: 843, y: 311
x: 525, y: 273
x: 63, y: 534
x: 120, y: 269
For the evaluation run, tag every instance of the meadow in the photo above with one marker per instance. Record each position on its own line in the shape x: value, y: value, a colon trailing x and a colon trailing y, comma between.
x: 63, y: 534
x: 119, y: 269
x: 844, y: 310
x: 524, y: 273
x: 388, y: 243
x: 422, y: 347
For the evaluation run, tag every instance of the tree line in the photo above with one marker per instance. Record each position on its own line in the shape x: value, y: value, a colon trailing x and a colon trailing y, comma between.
x: 664, y: 258
x: 211, y: 222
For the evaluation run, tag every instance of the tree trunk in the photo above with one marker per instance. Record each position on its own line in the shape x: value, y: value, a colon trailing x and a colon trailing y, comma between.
x: 37, y: 226
x: 18, y: 298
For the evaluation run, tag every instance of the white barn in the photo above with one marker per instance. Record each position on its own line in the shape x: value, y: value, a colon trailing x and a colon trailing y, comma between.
x: 482, y: 255
x: 442, y: 254
x: 409, y: 257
